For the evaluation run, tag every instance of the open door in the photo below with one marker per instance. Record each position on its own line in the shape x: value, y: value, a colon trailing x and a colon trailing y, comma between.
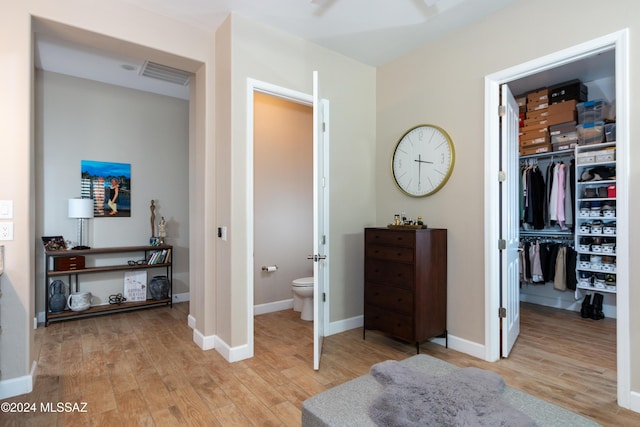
x: 509, y: 223
x: 320, y: 216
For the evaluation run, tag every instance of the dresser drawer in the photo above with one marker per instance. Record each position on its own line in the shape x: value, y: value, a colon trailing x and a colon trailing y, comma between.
x: 389, y: 298
x: 398, y: 325
x: 389, y: 253
x: 389, y: 237
x: 68, y: 263
x: 391, y: 273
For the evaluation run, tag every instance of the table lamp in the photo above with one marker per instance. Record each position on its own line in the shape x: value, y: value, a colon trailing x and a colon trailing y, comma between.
x: 81, y: 209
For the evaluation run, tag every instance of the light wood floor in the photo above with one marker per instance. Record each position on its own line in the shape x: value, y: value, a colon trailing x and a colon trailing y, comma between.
x: 142, y: 369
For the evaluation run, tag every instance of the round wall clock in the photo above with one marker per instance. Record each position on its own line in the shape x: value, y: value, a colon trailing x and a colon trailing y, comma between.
x: 423, y: 160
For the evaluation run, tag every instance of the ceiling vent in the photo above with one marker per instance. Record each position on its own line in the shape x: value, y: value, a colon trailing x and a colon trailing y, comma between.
x: 164, y: 73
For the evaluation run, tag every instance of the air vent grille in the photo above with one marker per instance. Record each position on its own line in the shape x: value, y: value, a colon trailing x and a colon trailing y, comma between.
x: 164, y: 73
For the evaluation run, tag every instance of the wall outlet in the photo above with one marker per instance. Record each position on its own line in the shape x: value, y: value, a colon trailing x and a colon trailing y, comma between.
x: 6, y: 230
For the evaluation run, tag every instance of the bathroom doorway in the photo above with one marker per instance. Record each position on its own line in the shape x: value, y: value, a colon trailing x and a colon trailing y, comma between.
x: 283, y: 199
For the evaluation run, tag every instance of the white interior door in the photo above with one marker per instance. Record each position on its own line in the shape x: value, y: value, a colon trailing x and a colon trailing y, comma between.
x: 509, y: 222
x: 320, y: 216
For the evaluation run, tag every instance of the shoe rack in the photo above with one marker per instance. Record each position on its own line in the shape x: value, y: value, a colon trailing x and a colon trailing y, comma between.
x: 595, y: 229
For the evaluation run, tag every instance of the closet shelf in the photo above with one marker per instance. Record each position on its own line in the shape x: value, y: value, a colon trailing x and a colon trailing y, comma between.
x: 549, y: 155
x: 593, y: 288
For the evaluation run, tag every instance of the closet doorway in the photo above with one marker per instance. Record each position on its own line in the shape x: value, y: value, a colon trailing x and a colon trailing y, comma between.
x: 498, y: 241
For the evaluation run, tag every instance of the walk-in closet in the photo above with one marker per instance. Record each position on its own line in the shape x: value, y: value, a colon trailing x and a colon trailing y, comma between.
x: 567, y: 158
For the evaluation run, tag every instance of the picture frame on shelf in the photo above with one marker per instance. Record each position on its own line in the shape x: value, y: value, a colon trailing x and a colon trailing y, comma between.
x: 54, y: 243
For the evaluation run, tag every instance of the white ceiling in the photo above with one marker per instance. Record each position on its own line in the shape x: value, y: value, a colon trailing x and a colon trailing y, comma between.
x: 370, y: 31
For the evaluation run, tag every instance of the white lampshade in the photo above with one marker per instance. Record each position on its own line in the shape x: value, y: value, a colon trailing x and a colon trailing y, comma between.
x: 80, y: 208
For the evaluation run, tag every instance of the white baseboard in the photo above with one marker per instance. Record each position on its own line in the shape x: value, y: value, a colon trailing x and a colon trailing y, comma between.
x: 202, y: 341
x: 465, y: 346
x: 191, y: 321
x: 271, y: 307
x: 230, y: 354
x: 19, y: 385
x: 455, y: 343
x: 344, y: 325
x: 183, y: 297
x: 634, y: 401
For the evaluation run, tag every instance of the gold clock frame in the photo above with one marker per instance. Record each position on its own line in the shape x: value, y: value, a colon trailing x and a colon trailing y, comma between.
x: 449, y: 166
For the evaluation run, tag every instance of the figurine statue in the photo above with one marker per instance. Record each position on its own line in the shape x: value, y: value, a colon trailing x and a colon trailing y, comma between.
x: 153, y: 218
x: 162, y: 230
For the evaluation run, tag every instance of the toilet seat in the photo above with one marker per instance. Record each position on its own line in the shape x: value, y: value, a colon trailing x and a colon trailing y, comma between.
x: 303, y: 282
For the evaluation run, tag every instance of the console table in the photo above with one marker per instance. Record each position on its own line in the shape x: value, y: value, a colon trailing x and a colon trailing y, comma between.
x: 57, y: 265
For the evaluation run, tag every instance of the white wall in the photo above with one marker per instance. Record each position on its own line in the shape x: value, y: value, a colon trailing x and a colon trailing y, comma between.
x: 78, y: 119
x: 283, y: 196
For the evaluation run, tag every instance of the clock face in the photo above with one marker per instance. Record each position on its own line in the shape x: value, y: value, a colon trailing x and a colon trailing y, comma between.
x: 423, y: 160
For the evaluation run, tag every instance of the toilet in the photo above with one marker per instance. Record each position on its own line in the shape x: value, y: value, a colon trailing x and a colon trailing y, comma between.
x: 303, y: 297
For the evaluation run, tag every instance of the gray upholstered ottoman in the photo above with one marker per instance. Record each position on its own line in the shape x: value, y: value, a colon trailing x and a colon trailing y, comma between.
x: 348, y: 403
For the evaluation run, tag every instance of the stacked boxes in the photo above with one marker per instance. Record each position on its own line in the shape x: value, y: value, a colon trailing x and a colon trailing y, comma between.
x: 534, y: 134
x: 551, y: 118
x: 591, y: 127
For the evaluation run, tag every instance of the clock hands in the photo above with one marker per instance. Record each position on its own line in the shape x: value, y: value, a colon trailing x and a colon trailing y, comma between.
x: 422, y: 161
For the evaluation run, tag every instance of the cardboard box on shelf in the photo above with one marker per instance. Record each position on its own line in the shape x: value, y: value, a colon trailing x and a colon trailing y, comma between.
x: 562, y: 117
x: 535, y: 149
x: 562, y: 107
x: 534, y: 128
x: 537, y: 114
x: 535, y: 138
x: 537, y: 96
x: 538, y: 105
x: 539, y: 121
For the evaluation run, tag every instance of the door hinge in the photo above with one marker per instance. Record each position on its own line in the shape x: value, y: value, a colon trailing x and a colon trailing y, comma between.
x: 324, y: 297
x: 502, y: 176
x: 502, y: 312
x: 502, y: 110
x: 324, y: 127
x: 502, y: 244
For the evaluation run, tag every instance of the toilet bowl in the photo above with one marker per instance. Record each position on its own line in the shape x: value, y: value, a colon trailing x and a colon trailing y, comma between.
x: 303, y: 297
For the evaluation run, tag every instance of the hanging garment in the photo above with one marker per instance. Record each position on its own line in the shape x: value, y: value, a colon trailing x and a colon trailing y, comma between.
x: 553, y: 257
x: 545, y: 254
x: 553, y: 196
x: 571, y: 258
x: 561, y: 196
x: 536, y: 266
x: 527, y: 262
x: 569, y: 199
x: 560, y: 279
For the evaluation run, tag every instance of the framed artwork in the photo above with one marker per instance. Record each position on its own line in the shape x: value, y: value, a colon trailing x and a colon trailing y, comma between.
x: 54, y: 243
x: 109, y: 185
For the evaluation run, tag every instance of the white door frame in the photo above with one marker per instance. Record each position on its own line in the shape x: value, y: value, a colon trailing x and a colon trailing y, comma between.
x: 620, y: 42
x: 282, y: 93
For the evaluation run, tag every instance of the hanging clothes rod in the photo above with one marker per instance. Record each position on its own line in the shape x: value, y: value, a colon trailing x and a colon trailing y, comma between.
x: 558, y: 236
x: 552, y: 154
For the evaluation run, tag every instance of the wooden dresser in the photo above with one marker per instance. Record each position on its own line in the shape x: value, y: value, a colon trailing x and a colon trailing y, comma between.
x: 405, y: 283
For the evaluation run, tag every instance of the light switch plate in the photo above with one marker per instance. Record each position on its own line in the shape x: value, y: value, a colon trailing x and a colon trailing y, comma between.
x: 6, y: 209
